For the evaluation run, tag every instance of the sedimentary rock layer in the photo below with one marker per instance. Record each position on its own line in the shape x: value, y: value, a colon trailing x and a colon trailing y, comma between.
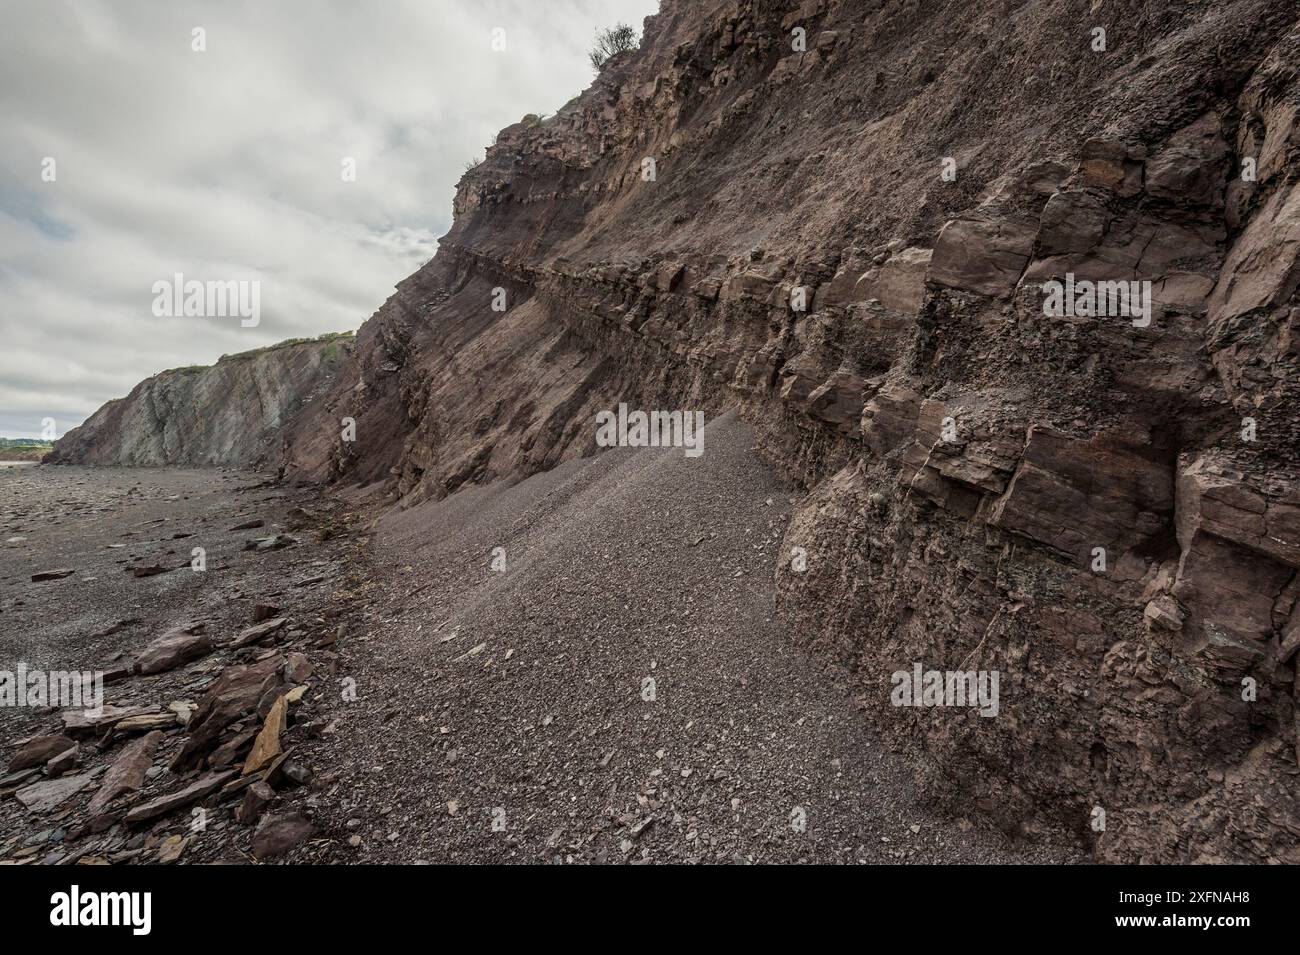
x: 1104, y: 510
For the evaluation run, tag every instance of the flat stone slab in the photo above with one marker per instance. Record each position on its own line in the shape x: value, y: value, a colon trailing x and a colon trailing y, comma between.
x: 195, y: 791
x: 173, y: 649
x: 51, y: 793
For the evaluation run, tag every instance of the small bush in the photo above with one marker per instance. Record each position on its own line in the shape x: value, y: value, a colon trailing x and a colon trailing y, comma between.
x: 610, y: 42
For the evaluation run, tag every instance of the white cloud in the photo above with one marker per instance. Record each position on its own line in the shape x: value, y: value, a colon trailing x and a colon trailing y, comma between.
x: 226, y: 164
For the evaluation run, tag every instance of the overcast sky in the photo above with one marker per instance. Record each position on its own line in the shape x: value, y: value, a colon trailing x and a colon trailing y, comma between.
x: 227, y: 164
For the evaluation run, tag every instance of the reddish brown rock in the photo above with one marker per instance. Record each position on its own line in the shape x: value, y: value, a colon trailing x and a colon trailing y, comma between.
x: 38, y: 750
x: 235, y: 694
x: 297, y: 668
x: 173, y: 649
x: 256, y: 798
x: 258, y: 632
x: 265, y: 611
x: 277, y: 834
x: 199, y: 789
x: 983, y: 253
x: 127, y: 773
x: 64, y: 762
x: 1076, y: 495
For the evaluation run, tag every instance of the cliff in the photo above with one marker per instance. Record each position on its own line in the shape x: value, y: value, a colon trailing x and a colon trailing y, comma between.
x: 231, y: 413
x: 1103, y: 509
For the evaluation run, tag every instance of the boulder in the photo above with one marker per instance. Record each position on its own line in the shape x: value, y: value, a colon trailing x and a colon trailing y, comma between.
x: 297, y: 668
x: 277, y: 834
x: 235, y: 694
x: 173, y: 649
x: 256, y: 798
x: 264, y: 611
x: 38, y: 750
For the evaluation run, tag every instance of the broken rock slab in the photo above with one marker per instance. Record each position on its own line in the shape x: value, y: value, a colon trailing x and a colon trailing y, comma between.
x: 199, y: 789
x: 235, y: 694
x: 277, y: 834
x: 49, y: 794
x: 57, y: 574
x: 173, y: 649
x: 256, y: 798
x: 258, y: 632
x: 94, y: 722
x: 267, y: 746
x: 64, y: 762
x: 39, y: 750
x: 127, y: 773
x: 149, y: 721
x: 297, y: 668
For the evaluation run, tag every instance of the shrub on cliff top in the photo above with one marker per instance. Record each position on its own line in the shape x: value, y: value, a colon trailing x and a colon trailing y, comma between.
x: 610, y: 42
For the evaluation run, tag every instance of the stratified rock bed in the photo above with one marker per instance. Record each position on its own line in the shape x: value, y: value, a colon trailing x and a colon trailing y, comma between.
x: 1105, y: 512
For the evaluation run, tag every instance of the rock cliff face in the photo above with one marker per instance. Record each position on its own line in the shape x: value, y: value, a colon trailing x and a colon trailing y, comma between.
x: 1103, y: 509
x: 232, y: 413
x: 845, y: 217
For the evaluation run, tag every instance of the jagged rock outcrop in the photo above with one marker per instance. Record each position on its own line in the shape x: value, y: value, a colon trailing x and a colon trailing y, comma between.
x: 233, y: 413
x: 845, y: 218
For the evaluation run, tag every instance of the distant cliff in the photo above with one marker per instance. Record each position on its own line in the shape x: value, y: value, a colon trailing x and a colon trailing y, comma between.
x: 230, y: 413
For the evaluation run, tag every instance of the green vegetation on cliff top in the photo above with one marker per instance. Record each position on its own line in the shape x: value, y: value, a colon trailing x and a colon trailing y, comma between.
x: 331, y: 353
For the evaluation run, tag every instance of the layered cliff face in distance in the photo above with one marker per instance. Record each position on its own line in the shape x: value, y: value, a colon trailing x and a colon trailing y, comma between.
x: 233, y: 413
x: 1098, y: 502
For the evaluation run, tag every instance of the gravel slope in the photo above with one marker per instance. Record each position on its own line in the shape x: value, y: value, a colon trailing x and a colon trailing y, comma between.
x: 499, y: 717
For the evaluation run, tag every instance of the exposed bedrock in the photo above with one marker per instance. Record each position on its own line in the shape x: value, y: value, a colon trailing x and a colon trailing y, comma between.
x: 234, y: 413
x: 854, y: 242
x: 1103, y: 508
